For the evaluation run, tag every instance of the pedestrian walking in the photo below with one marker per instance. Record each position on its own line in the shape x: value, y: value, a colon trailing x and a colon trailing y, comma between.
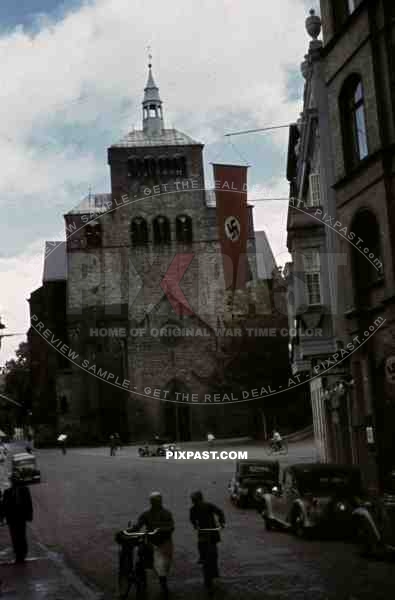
x: 62, y: 439
x: 203, y: 515
x: 159, y: 520
x: 210, y: 439
x: 113, y: 445
x: 17, y: 509
x: 118, y: 441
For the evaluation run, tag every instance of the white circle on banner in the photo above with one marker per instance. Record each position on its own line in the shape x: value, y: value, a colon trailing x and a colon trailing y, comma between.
x: 390, y: 369
x: 232, y: 228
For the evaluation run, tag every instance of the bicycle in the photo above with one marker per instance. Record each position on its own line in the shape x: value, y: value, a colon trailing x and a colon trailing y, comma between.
x: 135, y: 556
x: 273, y: 447
x: 209, y: 556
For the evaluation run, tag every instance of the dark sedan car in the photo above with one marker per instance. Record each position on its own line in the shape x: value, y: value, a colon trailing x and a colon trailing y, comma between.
x: 314, y: 496
x: 251, y: 475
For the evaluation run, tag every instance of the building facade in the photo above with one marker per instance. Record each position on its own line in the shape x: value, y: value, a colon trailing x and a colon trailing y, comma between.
x: 345, y: 142
x: 359, y: 63
x: 312, y: 275
x: 144, y: 263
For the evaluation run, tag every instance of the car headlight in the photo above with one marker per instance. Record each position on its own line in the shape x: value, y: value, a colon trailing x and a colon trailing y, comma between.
x: 341, y: 507
x: 259, y: 492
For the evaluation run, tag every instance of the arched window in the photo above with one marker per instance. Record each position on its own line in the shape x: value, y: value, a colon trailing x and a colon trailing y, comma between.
x: 139, y: 168
x: 367, y: 263
x: 139, y: 232
x: 352, y: 110
x: 132, y: 167
x: 93, y: 235
x: 161, y: 227
x: 180, y: 167
x: 152, y: 167
x: 184, y: 229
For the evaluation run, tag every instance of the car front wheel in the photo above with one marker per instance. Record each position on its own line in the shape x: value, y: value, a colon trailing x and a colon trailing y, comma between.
x: 298, y: 525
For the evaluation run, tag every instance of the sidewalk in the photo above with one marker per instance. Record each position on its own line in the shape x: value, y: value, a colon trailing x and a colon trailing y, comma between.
x: 44, y: 576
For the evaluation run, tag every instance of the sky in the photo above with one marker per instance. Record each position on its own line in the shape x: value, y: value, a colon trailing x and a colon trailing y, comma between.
x: 72, y: 79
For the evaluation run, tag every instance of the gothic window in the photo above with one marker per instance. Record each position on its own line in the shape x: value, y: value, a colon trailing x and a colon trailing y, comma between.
x: 161, y: 227
x: 93, y: 235
x: 139, y: 232
x: 367, y: 263
x: 184, y: 229
x: 352, y: 109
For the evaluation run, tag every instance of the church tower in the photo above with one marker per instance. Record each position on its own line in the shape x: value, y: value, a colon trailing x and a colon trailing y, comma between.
x: 153, y: 155
x: 162, y: 227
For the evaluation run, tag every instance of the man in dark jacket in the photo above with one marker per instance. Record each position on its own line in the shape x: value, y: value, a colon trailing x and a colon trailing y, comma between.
x: 159, y: 519
x: 203, y: 515
x: 17, y: 509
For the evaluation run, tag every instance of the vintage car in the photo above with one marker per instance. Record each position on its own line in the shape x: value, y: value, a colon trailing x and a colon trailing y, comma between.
x: 24, y: 466
x: 157, y: 447
x: 375, y: 522
x: 251, y: 475
x: 314, y: 497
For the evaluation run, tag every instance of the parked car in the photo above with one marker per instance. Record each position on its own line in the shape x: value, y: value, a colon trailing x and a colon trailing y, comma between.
x: 24, y: 465
x: 251, y: 475
x: 314, y: 497
x: 157, y: 448
x: 375, y: 522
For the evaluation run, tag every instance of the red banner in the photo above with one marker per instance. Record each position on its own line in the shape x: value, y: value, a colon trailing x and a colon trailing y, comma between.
x: 230, y: 183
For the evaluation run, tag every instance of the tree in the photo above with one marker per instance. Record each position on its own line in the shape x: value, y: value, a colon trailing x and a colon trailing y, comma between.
x: 17, y: 380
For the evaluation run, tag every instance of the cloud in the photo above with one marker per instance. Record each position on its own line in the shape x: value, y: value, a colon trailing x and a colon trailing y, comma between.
x: 19, y: 276
x: 74, y: 86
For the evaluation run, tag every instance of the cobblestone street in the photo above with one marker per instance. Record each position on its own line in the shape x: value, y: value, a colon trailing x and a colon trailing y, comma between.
x: 87, y: 495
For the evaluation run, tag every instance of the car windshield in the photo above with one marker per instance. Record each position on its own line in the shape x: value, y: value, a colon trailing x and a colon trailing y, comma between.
x: 328, y: 481
x: 24, y: 463
x: 257, y: 471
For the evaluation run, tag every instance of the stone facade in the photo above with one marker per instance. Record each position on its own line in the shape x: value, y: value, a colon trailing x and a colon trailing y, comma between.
x: 358, y: 55
x: 120, y: 246
x: 312, y: 307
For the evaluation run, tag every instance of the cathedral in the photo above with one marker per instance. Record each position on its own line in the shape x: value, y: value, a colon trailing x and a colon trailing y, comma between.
x: 150, y: 296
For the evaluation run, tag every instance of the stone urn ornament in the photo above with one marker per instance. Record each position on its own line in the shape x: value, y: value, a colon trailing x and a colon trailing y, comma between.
x: 313, y: 25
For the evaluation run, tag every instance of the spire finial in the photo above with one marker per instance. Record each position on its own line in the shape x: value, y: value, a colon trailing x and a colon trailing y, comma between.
x: 313, y: 25
x: 149, y: 50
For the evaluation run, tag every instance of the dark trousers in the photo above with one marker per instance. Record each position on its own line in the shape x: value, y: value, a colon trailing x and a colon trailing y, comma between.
x: 208, y: 554
x: 18, y: 538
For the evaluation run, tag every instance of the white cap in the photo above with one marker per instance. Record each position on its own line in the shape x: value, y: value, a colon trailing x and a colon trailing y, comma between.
x: 155, y: 495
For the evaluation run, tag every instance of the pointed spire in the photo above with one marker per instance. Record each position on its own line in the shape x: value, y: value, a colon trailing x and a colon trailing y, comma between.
x: 152, y: 104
